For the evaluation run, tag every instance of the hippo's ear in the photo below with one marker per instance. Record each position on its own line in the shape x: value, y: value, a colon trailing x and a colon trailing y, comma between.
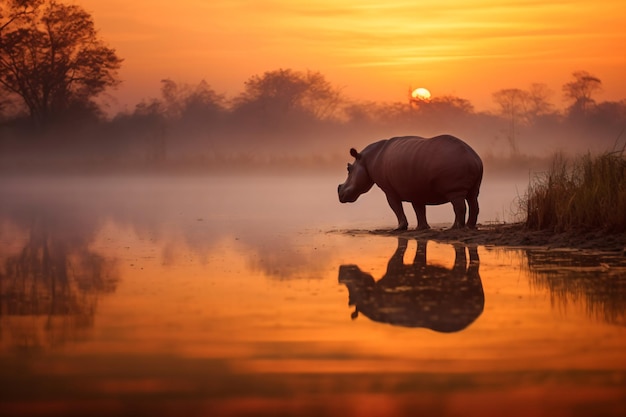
x: 355, y: 154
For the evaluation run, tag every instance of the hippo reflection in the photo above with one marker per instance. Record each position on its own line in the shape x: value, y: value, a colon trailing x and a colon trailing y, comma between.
x: 419, y: 295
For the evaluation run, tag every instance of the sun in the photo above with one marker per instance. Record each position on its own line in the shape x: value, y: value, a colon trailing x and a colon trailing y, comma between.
x: 421, y: 94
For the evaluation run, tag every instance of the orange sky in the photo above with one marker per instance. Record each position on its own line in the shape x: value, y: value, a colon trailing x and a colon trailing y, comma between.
x: 374, y: 49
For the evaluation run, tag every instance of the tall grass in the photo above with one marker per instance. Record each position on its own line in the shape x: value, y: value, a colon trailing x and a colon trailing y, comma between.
x: 586, y: 193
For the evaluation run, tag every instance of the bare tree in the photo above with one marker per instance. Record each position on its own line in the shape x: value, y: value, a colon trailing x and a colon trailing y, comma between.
x: 581, y: 90
x: 52, y: 58
x: 513, y: 104
x: 538, y: 101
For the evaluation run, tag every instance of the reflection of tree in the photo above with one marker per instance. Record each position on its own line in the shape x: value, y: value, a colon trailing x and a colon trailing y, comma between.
x: 419, y: 295
x: 284, y: 258
x: 598, y: 283
x: 52, y: 286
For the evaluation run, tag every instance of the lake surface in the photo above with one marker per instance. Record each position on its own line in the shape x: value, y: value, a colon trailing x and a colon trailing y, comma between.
x: 243, y: 295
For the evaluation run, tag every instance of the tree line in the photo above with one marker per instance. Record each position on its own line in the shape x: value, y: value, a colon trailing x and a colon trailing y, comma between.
x: 54, y: 66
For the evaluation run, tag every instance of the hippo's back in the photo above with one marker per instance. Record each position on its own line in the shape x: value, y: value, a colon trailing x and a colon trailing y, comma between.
x: 427, y: 170
x: 438, y: 150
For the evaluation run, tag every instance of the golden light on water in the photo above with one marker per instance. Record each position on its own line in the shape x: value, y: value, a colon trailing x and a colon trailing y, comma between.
x: 158, y: 293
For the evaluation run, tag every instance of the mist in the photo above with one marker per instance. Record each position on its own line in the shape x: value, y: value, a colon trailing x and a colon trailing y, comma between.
x: 286, y: 120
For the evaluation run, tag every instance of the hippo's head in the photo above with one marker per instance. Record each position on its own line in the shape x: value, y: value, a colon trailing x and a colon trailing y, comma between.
x: 358, y: 181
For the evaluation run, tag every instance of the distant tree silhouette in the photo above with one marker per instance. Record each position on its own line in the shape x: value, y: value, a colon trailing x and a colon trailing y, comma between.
x: 52, y: 58
x: 581, y: 90
x: 361, y: 112
x: 190, y: 102
x: 447, y: 105
x: 538, y: 101
x: 433, y: 111
x: 611, y: 113
x: 284, y: 91
x: 522, y: 107
x: 513, y: 104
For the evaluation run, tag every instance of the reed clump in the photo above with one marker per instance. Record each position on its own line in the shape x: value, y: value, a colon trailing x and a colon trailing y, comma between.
x: 587, y: 193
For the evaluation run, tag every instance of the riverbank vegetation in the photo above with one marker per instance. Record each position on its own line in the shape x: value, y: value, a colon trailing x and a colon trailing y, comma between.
x: 587, y: 193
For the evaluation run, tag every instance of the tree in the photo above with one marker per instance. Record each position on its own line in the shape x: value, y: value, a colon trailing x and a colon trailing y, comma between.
x: 52, y: 58
x: 581, y: 90
x: 447, y: 106
x: 283, y: 91
x: 16, y: 11
x: 199, y: 102
x: 513, y: 104
x: 538, y: 103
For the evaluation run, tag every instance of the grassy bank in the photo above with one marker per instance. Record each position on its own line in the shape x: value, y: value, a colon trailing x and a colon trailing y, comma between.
x: 587, y: 193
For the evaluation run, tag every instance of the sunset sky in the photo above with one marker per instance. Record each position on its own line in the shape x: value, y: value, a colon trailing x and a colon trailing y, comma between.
x: 373, y: 49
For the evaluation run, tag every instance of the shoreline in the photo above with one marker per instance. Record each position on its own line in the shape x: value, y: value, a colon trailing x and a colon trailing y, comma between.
x: 514, y: 235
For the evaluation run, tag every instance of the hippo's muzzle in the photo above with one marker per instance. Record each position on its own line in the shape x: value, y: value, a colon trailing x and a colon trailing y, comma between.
x: 345, y: 196
x: 339, y: 193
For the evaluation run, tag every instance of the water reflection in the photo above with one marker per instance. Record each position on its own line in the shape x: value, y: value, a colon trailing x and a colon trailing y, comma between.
x: 49, y: 289
x: 208, y: 316
x: 419, y: 294
x: 571, y: 278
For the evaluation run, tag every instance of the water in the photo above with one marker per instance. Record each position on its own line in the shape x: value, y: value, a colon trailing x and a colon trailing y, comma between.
x: 241, y: 296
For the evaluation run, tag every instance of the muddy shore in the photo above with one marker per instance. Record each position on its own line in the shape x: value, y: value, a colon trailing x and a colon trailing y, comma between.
x: 515, y: 235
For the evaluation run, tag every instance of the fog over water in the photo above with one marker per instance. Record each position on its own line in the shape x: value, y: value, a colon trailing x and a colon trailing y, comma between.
x: 229, y: 204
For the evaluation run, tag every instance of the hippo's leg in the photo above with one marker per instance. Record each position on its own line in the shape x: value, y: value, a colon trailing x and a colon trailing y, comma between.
x: 396, y: 205
x: 458, y: 203
x: 472, y: 218
x: 420, y: 212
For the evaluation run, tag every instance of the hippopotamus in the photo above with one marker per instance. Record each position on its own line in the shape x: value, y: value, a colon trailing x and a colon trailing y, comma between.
x: 422, y: 171
x: 419, y: 295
